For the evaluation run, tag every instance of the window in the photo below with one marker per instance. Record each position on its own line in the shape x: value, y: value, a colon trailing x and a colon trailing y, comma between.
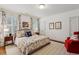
x: 11, y: 21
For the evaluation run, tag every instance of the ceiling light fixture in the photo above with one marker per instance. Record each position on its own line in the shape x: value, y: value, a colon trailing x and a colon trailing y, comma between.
x: 42, y: 6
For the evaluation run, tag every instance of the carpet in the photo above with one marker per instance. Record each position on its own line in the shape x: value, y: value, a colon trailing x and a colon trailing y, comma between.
x: 12, y: 50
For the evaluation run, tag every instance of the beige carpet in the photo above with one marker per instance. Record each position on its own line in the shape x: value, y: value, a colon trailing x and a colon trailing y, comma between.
x: 12, y: 50
x: 54, y: 48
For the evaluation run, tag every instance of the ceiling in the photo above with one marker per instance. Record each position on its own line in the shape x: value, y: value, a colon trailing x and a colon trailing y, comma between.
x: 34, y: 10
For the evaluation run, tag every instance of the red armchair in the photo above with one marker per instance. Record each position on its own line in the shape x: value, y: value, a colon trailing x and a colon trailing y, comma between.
x: 72, y: 45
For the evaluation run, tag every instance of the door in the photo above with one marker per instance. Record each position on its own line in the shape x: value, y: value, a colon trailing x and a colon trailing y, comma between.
x: 74, y: 26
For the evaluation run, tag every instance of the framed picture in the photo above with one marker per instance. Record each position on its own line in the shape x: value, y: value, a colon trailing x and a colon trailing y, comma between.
x: 51, y: 25
x: 58, y: 25
x: 25, y: 22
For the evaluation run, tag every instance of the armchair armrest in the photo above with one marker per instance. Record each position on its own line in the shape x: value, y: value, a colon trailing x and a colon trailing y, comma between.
x: 68, y: 38
x: 68, y: 42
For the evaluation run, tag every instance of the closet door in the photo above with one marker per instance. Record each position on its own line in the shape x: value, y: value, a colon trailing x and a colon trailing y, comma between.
x: 74, y: 26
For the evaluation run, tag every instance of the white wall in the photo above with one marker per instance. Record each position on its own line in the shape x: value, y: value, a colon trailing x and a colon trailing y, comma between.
x: 56, y: 34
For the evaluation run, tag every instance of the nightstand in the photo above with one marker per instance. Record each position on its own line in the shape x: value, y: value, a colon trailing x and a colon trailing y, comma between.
x: 8, y: 38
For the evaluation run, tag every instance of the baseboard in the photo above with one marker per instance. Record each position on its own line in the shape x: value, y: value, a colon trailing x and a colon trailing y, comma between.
x: 57, y: 41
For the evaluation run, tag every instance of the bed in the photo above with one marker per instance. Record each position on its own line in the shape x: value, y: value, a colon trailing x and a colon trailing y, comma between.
x: 28, y: 45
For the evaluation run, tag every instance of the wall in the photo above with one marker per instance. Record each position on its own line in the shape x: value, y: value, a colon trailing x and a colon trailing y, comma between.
x: 55, y: 34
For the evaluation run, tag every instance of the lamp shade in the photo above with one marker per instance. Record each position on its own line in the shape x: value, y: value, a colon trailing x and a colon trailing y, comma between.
x: 6, y: 29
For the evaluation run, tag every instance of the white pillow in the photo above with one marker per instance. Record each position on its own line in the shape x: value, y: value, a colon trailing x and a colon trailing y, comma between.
x: 74, y: 37
x: 20, y: 34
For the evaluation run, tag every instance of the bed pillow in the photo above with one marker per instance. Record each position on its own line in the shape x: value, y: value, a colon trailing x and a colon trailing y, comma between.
x: 28, y: 34
x: 18, y: 34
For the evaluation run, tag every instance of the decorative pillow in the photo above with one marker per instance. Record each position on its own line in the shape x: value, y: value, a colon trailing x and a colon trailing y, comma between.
x: 74, y: 37
x: 28, y: 34
x: 20, y: 33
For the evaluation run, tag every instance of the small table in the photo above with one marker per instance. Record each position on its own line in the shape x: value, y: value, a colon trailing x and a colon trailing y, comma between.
x: 8, y: 38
